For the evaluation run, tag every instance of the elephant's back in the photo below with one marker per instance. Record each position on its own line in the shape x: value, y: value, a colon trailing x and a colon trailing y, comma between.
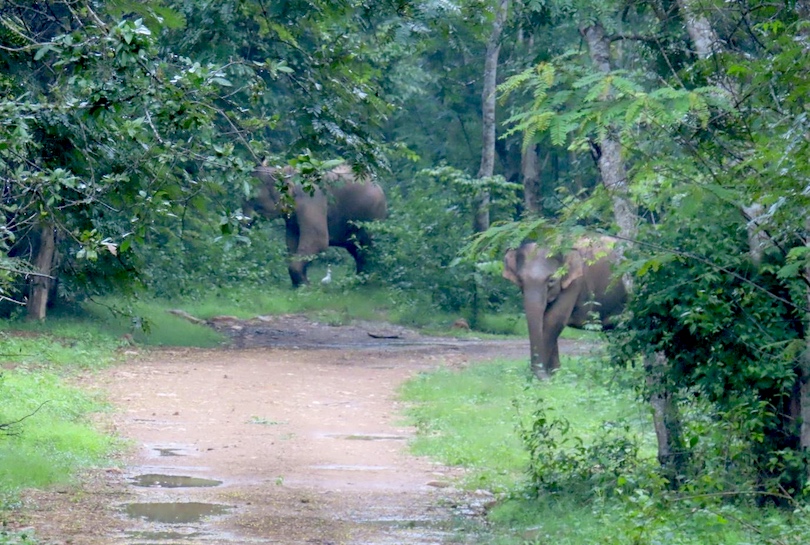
x: 359, y: 201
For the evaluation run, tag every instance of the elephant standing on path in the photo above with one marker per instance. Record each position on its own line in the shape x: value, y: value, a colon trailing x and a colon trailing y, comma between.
x: 585, y: 287
x: 324, y: 218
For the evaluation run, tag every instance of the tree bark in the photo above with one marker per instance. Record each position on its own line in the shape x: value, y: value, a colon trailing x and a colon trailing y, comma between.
x: 487, y: 168
x: 804, y: 373
x: 530, y: 172
x: 700, y: 30
x: 37, y: 305
x: 803, y: 11
x: 609, y: 157
x: 666, y: 417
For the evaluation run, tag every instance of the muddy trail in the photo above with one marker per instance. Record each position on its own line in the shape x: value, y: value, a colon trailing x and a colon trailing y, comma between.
x: 290, y: 435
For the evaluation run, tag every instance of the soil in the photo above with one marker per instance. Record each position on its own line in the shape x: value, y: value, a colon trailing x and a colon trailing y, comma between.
x: 291, y: 434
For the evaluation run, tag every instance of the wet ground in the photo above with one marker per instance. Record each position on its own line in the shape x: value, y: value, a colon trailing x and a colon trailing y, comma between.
x: 292, y: 435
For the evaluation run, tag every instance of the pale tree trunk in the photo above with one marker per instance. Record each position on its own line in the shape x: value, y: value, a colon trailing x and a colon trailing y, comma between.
x: 706, y: 44
x: 530, y: 172
x: 804, y: 369
x: 488, y: 96
x: 43, y: 267
x: 803, y: 11
x: 612, y: 168
x: 609, y: 154
x: 700, y: 30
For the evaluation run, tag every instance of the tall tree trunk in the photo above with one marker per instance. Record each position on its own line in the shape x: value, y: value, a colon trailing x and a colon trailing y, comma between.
x: 614, y: 177
x: 43, y: 267
x: 707, y: 44
x: 609, y: 153
x: 530, y: 172
x: 803, y: 11
x: 700, y: 30
x: 487, y: 169
x: 804, y: 370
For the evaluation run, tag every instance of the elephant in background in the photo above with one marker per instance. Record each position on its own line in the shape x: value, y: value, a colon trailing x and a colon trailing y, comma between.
x: 321, y: 219
x: 561, y: 291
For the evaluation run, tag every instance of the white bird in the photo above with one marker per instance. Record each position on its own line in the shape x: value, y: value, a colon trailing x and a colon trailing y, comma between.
x: 328, y: 278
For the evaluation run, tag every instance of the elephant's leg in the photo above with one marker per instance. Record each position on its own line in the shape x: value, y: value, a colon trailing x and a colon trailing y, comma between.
x: 554, y: 360
x: 295, y: 267
x: 557, y: 317
x: 357, y: 245
x: 313, y: 238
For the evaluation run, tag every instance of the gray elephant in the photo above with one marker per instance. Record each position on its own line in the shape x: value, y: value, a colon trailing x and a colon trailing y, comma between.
x: 321, y: 219
x: 563, y: 291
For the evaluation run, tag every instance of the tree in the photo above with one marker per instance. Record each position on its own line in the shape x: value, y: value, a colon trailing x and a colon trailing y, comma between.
x: 488, y: 99
x: 101, y: 135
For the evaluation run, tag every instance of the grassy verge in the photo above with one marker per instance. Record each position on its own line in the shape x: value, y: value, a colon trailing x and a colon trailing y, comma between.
x: 149, y: 323
x: 472, y: 418
x: 46, y: 431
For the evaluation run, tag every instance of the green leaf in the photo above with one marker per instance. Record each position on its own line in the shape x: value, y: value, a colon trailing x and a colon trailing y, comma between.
x: 44, y: 50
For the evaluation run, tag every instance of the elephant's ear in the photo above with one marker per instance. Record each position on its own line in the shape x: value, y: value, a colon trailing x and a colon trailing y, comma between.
x: 575, y: 268
x: 510, y: 269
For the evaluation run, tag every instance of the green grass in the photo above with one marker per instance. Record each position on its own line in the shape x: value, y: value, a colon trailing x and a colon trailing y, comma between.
x: 48, y: 435
x: 56, y: 344
x: 149, y: 323
x: 470, y: 417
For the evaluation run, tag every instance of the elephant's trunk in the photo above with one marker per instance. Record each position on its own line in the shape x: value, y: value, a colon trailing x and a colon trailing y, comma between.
x: 534, y: 302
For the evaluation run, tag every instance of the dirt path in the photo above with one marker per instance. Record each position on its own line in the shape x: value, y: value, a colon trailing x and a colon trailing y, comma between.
x: 301, y: 443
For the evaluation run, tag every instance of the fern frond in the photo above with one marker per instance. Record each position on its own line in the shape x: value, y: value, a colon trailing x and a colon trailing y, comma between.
x: 626, y: 86
x: 699, y: 106
x: 589, y: 80
x: 515, y: 82
x: 600, y: 90
x: 561, y: 127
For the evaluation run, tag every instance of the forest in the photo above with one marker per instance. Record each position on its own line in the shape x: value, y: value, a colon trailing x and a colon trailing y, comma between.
x: 131, y: 131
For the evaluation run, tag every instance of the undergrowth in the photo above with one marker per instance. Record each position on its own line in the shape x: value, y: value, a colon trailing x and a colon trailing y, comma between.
x: 146, y: 321
x: 46, y: 433
x: 573, y: 461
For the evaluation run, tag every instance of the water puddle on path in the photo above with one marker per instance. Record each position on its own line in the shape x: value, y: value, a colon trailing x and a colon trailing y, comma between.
x: 167, y: 450
x: 366, y: 436
x: 346, y: 467
x: 174, y: 513
x: 154, y: 537
x: 156, y: 480
x: 379, y: 437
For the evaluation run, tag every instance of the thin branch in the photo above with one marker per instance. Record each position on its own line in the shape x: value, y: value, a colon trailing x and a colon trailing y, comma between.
x: 8, y: 427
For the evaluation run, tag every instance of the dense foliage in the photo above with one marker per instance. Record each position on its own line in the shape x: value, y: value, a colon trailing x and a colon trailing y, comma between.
x: 128, y: 132
x: 712, y: 161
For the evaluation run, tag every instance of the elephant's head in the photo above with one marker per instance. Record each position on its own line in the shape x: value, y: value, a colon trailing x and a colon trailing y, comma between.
x: 269, y: 200
x: 543, y: 276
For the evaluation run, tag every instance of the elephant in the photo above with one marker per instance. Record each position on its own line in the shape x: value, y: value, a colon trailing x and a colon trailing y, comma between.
x: 561, y: 291
x: 319, y: 219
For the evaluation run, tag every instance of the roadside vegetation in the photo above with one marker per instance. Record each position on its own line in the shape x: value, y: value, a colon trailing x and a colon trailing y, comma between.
x: 573, y: 461
x: 130, y: 130
x: 47, y: 431
x: 49, y: 426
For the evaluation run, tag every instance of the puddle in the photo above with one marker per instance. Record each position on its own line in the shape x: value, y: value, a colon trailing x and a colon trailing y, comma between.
x: 163, y: 536
x: 339, y: 467
x: 377, y: 437
x: 155, y: 480
x: 166, y: 450
x: 430, y: 526
x: 365, y: 436
x: 174, y: 513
